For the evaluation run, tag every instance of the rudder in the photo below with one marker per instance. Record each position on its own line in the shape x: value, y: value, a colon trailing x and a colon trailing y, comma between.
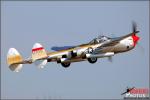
x: 14, y: 60
x: 38, y: 52
x: 39, y: 55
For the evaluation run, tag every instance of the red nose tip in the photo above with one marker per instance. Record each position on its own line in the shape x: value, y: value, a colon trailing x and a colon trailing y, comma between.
x: 135, y: 39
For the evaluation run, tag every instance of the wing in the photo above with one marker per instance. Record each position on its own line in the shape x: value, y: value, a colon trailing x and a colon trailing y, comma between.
x: 56, y: 48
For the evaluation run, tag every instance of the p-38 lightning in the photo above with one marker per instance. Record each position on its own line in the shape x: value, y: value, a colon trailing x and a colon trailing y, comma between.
x: 99, y: 47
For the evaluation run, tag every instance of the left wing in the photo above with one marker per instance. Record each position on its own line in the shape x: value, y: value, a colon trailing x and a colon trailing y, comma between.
x: 57, y: 48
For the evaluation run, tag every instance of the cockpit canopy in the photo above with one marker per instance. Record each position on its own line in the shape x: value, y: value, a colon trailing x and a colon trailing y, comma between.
x: 99, y: 39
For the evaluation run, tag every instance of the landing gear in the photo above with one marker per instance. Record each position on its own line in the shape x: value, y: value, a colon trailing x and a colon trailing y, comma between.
x: 92, y: 60
x: 66, y: 64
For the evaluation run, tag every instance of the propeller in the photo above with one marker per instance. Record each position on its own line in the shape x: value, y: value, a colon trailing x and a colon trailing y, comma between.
x: 134, y: 30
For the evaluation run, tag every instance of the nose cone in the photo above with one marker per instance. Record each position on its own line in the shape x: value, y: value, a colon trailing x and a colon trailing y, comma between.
x: 135, y: 39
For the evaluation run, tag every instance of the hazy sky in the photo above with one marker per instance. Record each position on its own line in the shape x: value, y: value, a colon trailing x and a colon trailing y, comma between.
x: 65, y: 23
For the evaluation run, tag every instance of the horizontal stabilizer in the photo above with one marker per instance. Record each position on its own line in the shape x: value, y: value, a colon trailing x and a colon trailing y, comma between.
x: 40, y: 63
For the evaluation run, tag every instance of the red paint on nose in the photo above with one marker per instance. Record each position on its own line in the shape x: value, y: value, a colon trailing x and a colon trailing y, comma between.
x: 135, y: 39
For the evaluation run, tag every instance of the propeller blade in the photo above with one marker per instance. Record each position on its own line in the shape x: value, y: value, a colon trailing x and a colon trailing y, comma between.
x: 134, y: 27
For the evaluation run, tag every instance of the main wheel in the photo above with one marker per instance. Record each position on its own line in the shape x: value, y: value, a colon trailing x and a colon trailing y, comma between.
x: 92, y: 60
x: 66, y: 65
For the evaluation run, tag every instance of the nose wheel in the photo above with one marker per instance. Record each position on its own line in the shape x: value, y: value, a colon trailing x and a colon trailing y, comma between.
x: 92, y: 60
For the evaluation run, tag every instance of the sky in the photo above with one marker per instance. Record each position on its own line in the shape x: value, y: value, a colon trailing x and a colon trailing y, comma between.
x: 67, y: 23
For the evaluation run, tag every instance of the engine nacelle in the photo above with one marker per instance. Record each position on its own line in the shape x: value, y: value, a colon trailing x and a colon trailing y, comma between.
x: 108, y: 54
